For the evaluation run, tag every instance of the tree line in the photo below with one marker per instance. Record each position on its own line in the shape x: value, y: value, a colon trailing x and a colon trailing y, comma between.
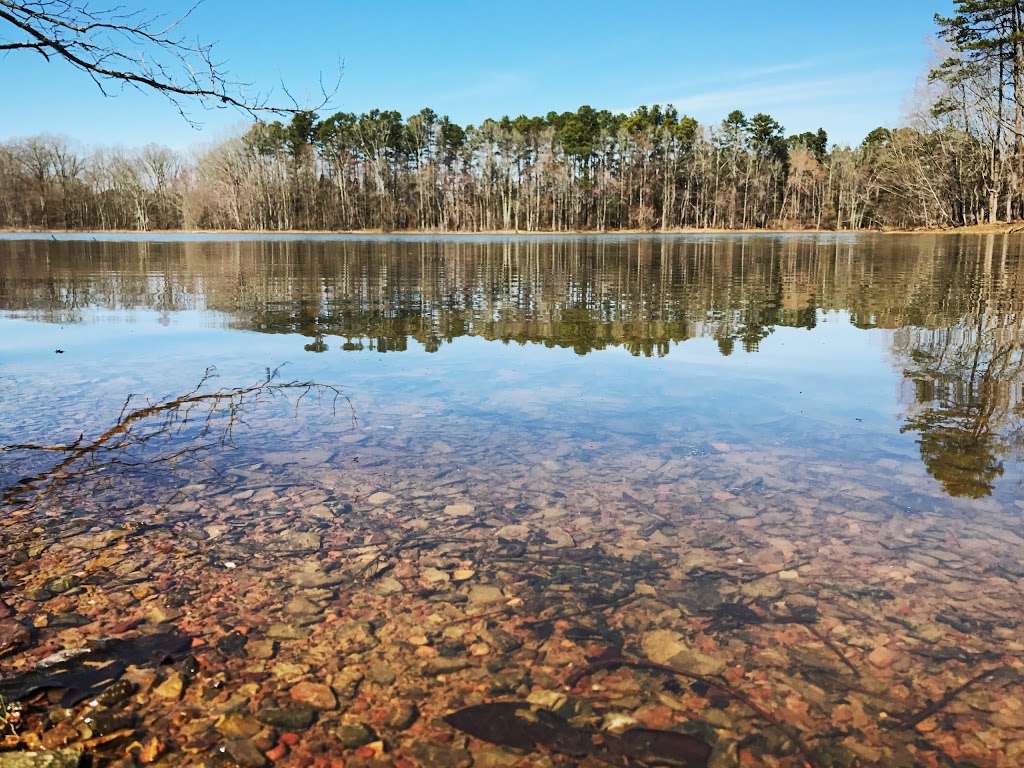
x: 958, y: 161
x: 582, y: 170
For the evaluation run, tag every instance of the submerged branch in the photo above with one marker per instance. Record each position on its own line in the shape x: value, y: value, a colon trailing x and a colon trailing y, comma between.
x: 221, y: 408
x: 912, y: 720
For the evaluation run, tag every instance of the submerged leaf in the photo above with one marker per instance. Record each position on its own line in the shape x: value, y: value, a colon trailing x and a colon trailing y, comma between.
x: 145, y: 649
x: 517, y: 725
x: 79, y: 682
x: 498, y: 723
x: 661, y: 747
x: 85, y: 674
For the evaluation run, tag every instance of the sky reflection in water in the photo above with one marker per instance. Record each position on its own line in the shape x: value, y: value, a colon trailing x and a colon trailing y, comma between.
x: 850, y: 349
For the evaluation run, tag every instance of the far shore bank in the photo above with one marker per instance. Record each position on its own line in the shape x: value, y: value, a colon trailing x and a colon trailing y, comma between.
x: 999, y: 228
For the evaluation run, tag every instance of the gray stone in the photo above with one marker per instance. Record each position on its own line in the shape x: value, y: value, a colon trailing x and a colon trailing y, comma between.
x: 381, y: 673
x: 403, y: 716
x: 353, y: 736
x: 435, y: 755
x: 246, y: 753
x: 294, y: 718
x: 443, y: 666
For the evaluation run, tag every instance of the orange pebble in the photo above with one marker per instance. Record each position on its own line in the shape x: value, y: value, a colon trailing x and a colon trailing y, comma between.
x: 277, y: 752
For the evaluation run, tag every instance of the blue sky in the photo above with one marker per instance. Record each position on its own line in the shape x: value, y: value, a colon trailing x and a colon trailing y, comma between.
x: 846, y: 66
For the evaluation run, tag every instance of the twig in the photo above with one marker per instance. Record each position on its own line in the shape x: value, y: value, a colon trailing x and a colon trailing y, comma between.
x: 832, y: 647
x: 912, y: 720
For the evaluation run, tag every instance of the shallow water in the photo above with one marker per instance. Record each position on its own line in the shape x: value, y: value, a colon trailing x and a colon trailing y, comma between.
x: 788, y: 465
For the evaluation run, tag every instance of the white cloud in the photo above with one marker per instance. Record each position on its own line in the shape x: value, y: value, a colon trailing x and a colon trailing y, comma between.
x: 763, y: 95
x: 849, y: 103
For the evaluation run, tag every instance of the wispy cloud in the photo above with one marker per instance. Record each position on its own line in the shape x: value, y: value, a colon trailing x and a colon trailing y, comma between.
x: 765, y: 95
x: 801, y: 94
x: 762, y: 89
x: 757, y: 73
x: 846, y: 76
x: 774, y: 69
x: 655, y: 92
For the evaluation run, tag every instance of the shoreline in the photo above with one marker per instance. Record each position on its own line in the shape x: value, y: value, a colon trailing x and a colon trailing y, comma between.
x: 1001, y: 228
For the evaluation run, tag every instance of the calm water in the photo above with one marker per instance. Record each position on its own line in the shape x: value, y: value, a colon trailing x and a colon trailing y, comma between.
x: 791, y: 464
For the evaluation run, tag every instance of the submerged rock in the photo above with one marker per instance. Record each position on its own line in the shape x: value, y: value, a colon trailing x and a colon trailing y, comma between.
x: 316, y: 695
x: 260, y: 649
x: 13, y: 635
x: 461, y: 509
x: 297, y: 541
x: 246, y: 753
x: 346, y: 683
x: 311, y: 574
x: 292, y: 718
x: 301, y: 606
x: 381, y: 673
x: 64, y: 758
x: 171, y: 688
x: 356, y: 735
x: 662, y: 645
x: 283, y: 631
x: 429, y: 754
x: 62, y: 584
x: 238, y: 726
x: 482, y: 594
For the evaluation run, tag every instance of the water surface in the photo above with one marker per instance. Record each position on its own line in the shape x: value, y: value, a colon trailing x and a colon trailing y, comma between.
x: 789, y: 464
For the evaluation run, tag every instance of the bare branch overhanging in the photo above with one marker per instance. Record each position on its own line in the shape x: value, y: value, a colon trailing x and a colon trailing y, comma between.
x: 118, y: 47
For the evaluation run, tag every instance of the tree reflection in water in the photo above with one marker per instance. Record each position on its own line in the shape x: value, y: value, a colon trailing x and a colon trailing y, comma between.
x: 951, y: 306
x: 967, y: 381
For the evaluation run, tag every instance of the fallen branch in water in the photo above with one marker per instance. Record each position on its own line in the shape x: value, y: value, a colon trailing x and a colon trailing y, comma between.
x: 736, y: 615
x: 836, y: 651
x: 202, y: 410
x: 913, y: 720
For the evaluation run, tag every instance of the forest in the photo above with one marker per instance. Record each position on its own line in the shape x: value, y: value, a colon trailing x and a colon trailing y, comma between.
x: 958, y: 160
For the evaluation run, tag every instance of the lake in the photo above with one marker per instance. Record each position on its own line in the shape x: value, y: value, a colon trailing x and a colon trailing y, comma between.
x: 683, y: 499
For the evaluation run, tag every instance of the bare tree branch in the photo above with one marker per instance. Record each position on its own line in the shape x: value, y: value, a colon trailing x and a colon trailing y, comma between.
x: 130, y: 48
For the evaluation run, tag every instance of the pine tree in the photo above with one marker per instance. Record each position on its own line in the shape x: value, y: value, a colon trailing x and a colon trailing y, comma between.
x: 987, y: 37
